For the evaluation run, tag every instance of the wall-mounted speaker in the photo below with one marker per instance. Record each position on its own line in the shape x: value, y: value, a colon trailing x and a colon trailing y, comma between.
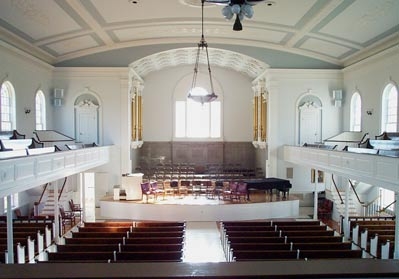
x: 58, y: 97
x: 337, y: 97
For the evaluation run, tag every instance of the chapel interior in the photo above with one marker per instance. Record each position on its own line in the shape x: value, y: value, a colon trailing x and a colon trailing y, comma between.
x: 199, y: 138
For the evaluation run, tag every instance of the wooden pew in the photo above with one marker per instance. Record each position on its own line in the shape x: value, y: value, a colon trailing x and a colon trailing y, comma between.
x: 297, y: 223
x: 151, y: 240
x: 119, y: 247
x: 314, y: 239
x: 80, y: 256
x: 308, y: 233
x: 132, y: 229
x: 105, y: 229
x: 259, y: 246
x: 83, y: 247
x: 108, y: 224
x: 285, y: 228
x: 330, y: 254
x: 246, y: 223
x: 253, y: 255
x: 323, y: 246
x: 97, y: 240
x: 249, y: 228
x: 99, y: 234
x: 150, y: 256
x: 252, y: 234
x: 258, y: 239
x: 127, y: 235
x: 159, y: 224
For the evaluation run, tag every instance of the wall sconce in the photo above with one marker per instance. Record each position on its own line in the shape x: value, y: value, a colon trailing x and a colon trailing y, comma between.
x: 27, y: 110
x: 369, y: 111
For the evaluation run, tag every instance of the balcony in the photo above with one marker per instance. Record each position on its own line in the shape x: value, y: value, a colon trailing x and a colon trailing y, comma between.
x: 373, y: 169
x: 22, y: 173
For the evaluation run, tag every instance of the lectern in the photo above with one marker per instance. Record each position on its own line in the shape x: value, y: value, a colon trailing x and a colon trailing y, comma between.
x: 131, y: 183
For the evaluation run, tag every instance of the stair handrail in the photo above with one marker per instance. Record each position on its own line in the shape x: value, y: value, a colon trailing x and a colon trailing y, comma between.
x: 336, y: 188
x: 354, y: 190
x: 62, y: 188
x: 44, y: 191
x: 386, y: 207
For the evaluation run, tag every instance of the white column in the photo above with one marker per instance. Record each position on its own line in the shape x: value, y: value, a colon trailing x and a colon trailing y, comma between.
x: 10, y: 234
x: 396, y: 247
x: 126, y: 163
x: 56, y: 212
x: 273, y: 129
x: 315, y: 199
x: 83, y: 197
x: 346, y: 215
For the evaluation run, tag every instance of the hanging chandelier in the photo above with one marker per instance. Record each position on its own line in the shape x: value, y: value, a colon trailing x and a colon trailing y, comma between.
x: 197, y: 94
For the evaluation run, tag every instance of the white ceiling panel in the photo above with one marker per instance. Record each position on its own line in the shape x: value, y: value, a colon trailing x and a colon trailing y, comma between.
x: 283, y: 13
x: 37, y: 19
x: 73, y: 44
x: 364, y: 20
x: 324, y: 47
x: 120, y: 11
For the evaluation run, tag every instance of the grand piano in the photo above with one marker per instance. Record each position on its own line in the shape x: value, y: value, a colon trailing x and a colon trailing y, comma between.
x: 268, y: 185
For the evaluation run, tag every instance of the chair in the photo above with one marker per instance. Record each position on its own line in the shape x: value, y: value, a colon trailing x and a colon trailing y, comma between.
x: 154, y: 187
x: 67, y: 218
x: 229, y: 193
x: 168, y: 189
x: 75, y: 208
x: 242, y: 191
x: 183, y: 187
x: 147, y: 191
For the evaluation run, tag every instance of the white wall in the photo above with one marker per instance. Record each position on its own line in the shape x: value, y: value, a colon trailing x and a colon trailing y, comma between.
x: 369, y: 78
x: 110, y: 87
x: 285, y: 88
x: 27, y: 75
x: 234, y: 89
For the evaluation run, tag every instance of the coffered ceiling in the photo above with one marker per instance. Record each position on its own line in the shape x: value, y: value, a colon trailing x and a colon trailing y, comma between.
x: 152, y: 34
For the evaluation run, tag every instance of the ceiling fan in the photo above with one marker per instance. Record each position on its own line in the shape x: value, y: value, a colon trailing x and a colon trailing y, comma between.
x: 240, y: 8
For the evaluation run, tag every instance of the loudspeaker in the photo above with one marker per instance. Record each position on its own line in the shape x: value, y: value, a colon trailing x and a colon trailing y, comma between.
x: 337, y: 97
x: 58, y: 97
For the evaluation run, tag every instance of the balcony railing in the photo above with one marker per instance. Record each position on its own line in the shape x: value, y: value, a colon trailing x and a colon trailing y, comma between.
x: 22, y: 173
x: 369, y: 168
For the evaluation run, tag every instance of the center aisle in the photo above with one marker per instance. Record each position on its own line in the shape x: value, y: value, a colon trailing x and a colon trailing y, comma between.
x: 203, y: 243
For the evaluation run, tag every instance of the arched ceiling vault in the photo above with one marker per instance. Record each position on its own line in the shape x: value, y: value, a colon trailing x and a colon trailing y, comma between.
x: 103, y: 33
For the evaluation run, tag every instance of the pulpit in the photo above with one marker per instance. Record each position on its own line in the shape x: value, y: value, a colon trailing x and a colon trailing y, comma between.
x: 131, y: 183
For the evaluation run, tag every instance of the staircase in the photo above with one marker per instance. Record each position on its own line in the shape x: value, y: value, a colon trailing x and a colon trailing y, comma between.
x: 339, y: 208
x: 47, y: 209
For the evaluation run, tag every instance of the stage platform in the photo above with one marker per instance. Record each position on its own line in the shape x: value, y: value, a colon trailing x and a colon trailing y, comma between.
x: 200, y: 208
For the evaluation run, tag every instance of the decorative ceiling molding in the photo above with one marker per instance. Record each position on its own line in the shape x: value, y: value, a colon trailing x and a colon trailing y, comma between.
x: 186, y: 56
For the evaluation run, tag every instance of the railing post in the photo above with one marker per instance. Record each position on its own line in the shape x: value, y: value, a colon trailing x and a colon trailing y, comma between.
x: 396, y: 244
x: 346, y: 217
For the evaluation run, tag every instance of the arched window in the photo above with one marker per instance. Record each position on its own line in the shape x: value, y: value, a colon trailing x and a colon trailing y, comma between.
x: 356, y: 113
x: 389, y: 117
x: 40, y: 109
x: 196, y: 120
x: 7, y: 107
